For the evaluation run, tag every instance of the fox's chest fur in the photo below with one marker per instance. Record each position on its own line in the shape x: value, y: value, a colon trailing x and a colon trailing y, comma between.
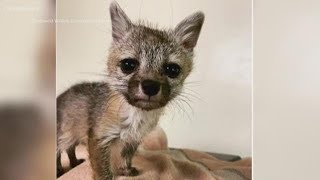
x: 138, y: 122
x: 126, y: 122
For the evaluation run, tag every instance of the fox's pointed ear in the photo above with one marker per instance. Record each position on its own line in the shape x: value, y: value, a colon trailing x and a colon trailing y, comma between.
x: 120, y: 21
x: 187, y: 31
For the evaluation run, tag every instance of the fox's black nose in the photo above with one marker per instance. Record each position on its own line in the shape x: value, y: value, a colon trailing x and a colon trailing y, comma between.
x: 150, y: 87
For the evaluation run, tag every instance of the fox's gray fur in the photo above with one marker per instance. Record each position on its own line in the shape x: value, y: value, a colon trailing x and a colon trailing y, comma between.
x: 112, y: 117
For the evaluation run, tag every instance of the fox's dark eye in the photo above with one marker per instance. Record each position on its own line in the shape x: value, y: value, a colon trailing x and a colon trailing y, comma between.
x: 172, y: 70
x: 128, y: 65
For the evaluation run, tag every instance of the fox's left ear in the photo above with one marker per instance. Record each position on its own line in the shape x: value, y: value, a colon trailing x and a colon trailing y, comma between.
x: 187, y: 31
x: 120, y: 21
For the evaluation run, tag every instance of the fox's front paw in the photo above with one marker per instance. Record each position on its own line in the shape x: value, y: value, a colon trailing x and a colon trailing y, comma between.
x: 128, y: 171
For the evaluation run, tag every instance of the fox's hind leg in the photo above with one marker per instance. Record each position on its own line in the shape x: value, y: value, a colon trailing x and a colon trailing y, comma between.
x: 72, y: 156
x: 59, y: 165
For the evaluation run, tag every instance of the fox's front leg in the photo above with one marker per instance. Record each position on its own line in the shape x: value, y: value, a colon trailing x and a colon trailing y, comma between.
x: 121, y: 154
x: 112, y: 159
x: 99, y: 155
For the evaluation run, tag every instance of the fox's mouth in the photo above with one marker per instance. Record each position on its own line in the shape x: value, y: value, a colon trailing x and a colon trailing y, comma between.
x: 144, y: 100
x: 145, y: 104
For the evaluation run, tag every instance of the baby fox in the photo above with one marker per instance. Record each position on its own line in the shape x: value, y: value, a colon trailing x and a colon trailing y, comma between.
x: 146, y: 69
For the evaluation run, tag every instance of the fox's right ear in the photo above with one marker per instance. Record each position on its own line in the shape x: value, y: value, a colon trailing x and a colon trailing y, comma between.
x: 188, y: 30
x: 120, y: 21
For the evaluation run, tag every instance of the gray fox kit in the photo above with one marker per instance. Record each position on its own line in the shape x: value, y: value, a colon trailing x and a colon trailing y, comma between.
x: 146, y: 69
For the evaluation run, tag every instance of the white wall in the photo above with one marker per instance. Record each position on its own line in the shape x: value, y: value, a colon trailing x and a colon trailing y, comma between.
x: 18, y: 48
x: 221, y: 120
x: 286, y: 89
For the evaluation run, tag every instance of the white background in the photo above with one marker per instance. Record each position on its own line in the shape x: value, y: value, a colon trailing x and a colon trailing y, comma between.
x: 286, y: 90
x: 220, y: 118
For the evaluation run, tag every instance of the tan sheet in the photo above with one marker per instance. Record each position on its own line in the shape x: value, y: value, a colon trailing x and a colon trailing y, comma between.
x: 155, y: 160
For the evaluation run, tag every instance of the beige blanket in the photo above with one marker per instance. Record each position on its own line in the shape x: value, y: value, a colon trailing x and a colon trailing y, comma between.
x: 154, y: 160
